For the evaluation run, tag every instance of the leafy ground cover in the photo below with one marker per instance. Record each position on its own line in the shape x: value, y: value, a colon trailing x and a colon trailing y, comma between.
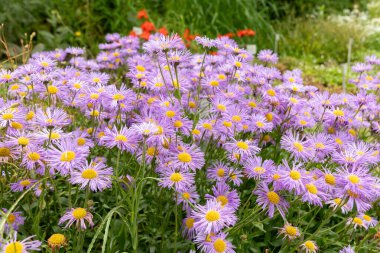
x: 147, y: 147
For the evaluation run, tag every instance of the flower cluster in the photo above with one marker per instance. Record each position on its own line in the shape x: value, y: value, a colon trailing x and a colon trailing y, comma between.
x: 204, y: 124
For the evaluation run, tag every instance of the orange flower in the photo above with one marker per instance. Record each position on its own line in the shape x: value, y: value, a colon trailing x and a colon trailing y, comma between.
x: 132, y: 33
x: 163, y: 31
x: 229, y: 35
x: 187, y: 36
x: 245, y: 32
x: 148, y: 26
x: 142, y: 14
x: 145, y: 35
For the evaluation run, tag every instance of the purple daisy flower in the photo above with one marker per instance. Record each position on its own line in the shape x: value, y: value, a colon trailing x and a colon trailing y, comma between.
x: 241, y: 150
x: 22, y: 185
x: 347, y: 249
x: 24, y: 246
x: 123, y: 139
x: 272, y: 200
x: 212, y: 217
x: 177, y: 179
x: 223, y: 194
x: 66, y: 155
x: 217, y: 244
x: 218, y: 171
x: 78, y: 216
x: 14, y: 220
x: 293, y: 178
x: 267, y: 55
x: 186, y: 156
x: 94, y: 175
x: 297, y: 146
x: 256, y: 168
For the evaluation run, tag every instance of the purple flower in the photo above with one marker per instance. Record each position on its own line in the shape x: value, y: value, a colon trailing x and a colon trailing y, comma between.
x: 217, y: 244
x: 297, y: 146
x: 347, y: 249
x: 267, y: 198
x: 14, y: 220
x: 22, y: 185
x: 24, y: 246
x: 78, y: 216
x: 94, y: 175
x: 213, y: 217
x: 123, y: 139
x: 267, y: 56
x: 177, y: 179
x: 184, y: 156
x: 225, y: 196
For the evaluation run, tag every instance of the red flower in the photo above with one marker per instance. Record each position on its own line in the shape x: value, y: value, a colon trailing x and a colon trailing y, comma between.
x: 145, y: 35
x: 148, y: 26
x: 229, y: 35
x: 142, y: 14
x: 187, y: 36
x: 163, y: 31
x: 132, y: 33
x: 245, y: 32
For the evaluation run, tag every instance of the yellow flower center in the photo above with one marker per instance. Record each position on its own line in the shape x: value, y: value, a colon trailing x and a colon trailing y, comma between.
x: 353, y: 179
x: 189, y: 223
x: 269, y: 117
x: 89, y: 174
x: 94, y: 96
x: 118, y: 97
x: 7, y: 116
x: 290, y: 230
x: 176, y: 177
x: 52, y: 89
x: 6, y: 76
x: 192, y: 104
x: 259, y: 124
x: 302, y: 122
x: 186, y: 195
x: 339, y: 141
x: 227, y: 123
x: 338, y: 201
x: 207, y: 126
x: 358, y: 221
x: 79, y: 213
x: 96, y: 79
x: 259, y: 170
x: 330, y: 179
x: 236, y: 118
x: 14, y: 247
x: 276, y: 177
x: 352, y: 132
x: 184, y: 157
x: 67, y: 156
x: 178, y: 123
x: 23, y: 141
x: 320, y: 145
x: 4, y: 152
x: 11, y: 218
x: 16, y: 125
x: 298, y: 146
x: 338, y: 113
x: 25, y: 183
x: 121, y: 137
x: 170, y: 114
x: 242, y: 145
x: 214, y: 83
x: 366, y: 217
x: 220, y: 172
x: 212, y: 215
x: 29, y: 115
x: 140, y: 68
x: 151, y: 151
x: 196, y: 132
x: 222, y: 199
x: 221, y: 107
x: 311, y: 188
x: 220, y: 245
x: 295, y: 175
x: 273, y: 197
x: 309, y: 245
x: 34, y: 156
x: 81, y: 141
x: 55, y: 135
x: 271, y: 92
x: 56, y: 240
